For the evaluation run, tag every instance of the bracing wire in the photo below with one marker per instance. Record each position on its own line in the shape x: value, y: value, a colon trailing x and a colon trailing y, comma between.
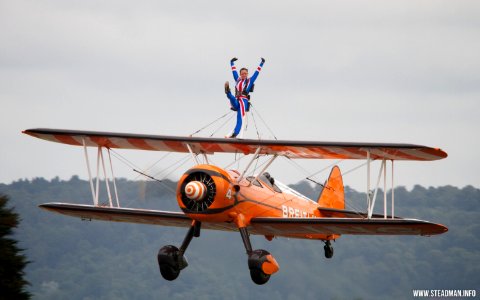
x: 159, y: 160
x: 223, y: 116
x: 221, y: 126
x: 350, y: 205
x: 181, y: 161
x: 233, y: 162
x: 184, y: 160
x: 123, y: 159
x: 255, y: 124
x: 265, y: 123
x: 135, y: 168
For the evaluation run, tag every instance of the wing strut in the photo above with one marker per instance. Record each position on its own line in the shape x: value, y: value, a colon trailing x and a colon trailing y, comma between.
x: 371, y: 198
x: 89, y: 172
x: 101, y: 163
x: 393, y: 202
x: 372, y: 202
x: 250, y: 163
x: 194, y: 155
x: 265, y: 168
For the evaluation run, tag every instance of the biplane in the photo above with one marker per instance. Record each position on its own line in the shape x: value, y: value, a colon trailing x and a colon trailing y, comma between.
x: 216, y: 198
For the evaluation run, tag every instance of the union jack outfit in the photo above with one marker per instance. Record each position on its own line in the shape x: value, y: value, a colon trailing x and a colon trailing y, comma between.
x: 240, y: 102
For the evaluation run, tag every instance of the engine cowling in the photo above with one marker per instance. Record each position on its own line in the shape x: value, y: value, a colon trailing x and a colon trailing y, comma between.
x: 205, y: 190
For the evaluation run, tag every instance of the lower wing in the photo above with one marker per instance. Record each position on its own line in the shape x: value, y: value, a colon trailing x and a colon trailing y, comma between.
x: 130, y: 215
x: 357, y: 226
x: 289, y: 227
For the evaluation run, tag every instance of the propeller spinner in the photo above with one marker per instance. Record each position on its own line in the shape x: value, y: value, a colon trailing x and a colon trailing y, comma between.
x: 195, y: 190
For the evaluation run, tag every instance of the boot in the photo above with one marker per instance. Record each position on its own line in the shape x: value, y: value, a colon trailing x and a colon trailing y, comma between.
x: 227, y: 87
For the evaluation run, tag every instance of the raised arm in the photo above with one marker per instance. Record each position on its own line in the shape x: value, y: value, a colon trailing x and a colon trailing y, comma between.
x: 255, y: 75
x: 234, y: 69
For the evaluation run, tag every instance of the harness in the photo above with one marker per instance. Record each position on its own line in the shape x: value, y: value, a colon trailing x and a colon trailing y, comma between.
x: 241, y: 93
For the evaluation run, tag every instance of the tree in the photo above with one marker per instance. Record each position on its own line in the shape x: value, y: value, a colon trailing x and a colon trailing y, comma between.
x: 12, y: 262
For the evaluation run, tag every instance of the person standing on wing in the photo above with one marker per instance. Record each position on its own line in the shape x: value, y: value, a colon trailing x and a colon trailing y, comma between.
x: 241, y: 101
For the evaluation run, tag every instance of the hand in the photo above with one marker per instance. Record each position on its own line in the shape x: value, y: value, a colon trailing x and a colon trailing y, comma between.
x: 263, y: 60
x: 234, y: 59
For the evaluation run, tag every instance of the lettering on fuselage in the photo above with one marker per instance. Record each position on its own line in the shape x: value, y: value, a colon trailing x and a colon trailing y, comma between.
x: 290, y: 212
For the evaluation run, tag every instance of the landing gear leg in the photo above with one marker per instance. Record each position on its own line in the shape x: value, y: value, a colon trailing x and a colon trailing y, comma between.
x: 260, y: 262
x: 172, y: 260
x: 328, y: 249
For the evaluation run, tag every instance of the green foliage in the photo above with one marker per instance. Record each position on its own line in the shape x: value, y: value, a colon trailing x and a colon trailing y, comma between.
x: 12, y: 263
x: 77, y: 259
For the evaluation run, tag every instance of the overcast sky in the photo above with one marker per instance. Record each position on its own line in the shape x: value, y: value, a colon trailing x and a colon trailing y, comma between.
x: 373, y: 71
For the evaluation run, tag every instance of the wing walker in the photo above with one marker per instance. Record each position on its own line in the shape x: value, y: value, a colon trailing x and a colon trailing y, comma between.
x: 216, y: 198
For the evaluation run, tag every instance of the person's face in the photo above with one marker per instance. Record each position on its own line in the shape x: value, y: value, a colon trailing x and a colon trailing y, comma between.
x: 244, y: 74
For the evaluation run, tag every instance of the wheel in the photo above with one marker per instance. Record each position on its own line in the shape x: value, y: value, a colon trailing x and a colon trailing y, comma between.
x: 170, y: 262
x: 328, y: 250
x: 168, y: 272
x: 259, y: 262
x: 258, y: 276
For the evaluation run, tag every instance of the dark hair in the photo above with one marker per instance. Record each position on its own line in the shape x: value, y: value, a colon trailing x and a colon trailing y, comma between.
x: 243, y: 69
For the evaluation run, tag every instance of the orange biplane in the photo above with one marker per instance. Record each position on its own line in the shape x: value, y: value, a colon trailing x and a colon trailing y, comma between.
x: 215, y: 198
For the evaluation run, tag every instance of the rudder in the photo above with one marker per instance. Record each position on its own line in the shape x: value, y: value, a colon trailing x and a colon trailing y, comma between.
x: 333, y: 193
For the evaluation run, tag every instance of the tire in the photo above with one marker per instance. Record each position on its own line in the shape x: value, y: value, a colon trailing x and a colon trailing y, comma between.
x: 328, y: 251
x: 258, y: 276
x: 168, y: 262
x: 168, y: 272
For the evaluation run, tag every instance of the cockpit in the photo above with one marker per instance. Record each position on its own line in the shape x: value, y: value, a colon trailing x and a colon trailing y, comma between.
x: 265, y: 179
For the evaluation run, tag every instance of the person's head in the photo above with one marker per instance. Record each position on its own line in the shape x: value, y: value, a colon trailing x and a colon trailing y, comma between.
x: 244, y: 73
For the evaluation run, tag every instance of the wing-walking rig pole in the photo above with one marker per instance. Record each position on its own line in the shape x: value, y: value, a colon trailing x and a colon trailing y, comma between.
x: 101, y: 163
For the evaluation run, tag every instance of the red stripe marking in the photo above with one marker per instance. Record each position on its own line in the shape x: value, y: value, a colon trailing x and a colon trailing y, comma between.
x: 103, y: 142
x: 140, y: 144
x: 176, y: 146
x: 210, y: 147
x: 328, y: 154
x: 245, y: 149
x: 66, y: 139
x: 435, y: 152
x: 397, y: 152
x: 242, y: 107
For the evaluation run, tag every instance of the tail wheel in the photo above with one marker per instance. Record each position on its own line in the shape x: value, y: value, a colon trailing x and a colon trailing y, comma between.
x: 328, y: 250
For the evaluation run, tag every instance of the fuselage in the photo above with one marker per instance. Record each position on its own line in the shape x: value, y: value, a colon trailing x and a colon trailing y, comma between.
x: 251, y: 197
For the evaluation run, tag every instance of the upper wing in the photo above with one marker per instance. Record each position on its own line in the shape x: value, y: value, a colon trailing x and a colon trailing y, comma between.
x: 130, y: 215
x: 312, y: 226
x: 290, y: 149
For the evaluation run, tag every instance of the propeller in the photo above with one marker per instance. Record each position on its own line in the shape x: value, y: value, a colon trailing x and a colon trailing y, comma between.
x: 198, y: 191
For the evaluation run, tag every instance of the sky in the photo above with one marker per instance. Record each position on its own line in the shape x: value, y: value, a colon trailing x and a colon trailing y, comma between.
x: 362, y: 71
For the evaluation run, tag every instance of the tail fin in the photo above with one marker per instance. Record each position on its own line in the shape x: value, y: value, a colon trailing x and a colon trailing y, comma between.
x: 333, y: 193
